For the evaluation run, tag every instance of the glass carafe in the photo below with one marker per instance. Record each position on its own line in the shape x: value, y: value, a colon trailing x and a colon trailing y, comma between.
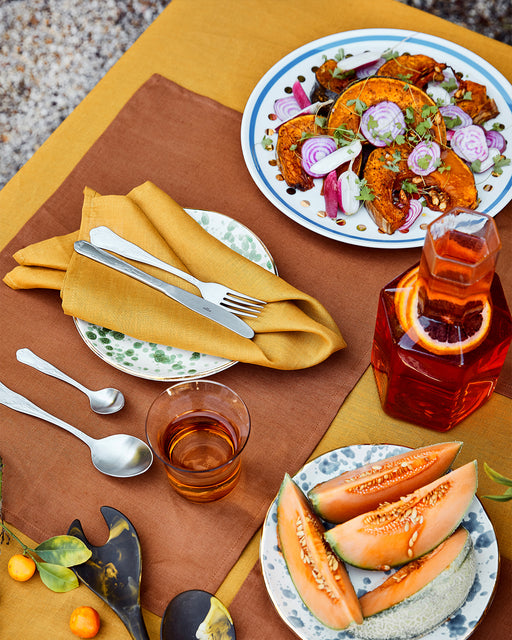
x: 443, y: 327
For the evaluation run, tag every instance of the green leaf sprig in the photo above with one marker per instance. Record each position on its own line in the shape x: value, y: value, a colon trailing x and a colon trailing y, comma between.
x: 500, y: 479
x: 53, y: 557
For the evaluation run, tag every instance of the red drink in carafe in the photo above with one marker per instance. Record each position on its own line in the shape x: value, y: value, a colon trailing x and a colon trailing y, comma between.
x: 443, y: 328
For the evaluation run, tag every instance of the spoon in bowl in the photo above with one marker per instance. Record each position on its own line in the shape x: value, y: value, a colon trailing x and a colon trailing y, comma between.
x: 119, y: 455
x: 104, y: 401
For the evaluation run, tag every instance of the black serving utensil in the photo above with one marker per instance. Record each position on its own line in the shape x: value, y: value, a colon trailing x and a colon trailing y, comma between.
x: 196, y: 615
x: 113, y: 571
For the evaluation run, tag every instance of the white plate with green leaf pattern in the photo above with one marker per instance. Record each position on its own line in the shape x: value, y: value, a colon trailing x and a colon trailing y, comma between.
x: 162, y: 362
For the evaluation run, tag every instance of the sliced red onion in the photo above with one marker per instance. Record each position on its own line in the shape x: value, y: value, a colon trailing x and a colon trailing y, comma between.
x: 371, y: 69
x: 310, y: 109
x: 423, y: 159
x: 300, y: 95
x: 382, y: 123
x: 496, y: 139
x: 488, y: 163
x: 452, y: 113
x: 331, y: 194
x: 358, y: 60
x: 348, y: 191
x: 415, y: 209
x: 286, y: 108
x: 315, y: 149
x: 337, y: 158
x: 469, y: 143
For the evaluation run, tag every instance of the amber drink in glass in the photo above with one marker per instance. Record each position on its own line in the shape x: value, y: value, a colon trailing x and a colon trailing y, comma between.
x: 443, y: 328
x: 198, y: 430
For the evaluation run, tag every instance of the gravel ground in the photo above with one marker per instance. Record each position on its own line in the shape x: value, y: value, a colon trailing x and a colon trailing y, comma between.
x: 53, y: 52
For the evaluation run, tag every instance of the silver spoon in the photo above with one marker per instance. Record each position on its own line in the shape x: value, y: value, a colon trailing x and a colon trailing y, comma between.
x: 104, y: 401
x: 120, y: 455
x: 196, y: 614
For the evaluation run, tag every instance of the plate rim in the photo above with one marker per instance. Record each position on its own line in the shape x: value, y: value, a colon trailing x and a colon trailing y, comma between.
x: 226, y: 364
x: 265, y: 526
x: 317, y: 46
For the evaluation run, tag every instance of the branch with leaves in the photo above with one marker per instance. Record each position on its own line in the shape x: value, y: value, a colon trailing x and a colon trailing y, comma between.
x: 53, y: 557
x: 500, y: 479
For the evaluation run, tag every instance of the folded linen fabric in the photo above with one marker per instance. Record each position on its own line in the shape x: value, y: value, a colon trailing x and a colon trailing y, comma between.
x: 294, y: 330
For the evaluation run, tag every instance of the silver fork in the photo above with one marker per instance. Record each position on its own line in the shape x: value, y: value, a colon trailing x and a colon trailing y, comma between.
x: 238, y: 303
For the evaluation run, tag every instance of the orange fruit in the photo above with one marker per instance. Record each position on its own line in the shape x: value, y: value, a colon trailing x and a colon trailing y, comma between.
x: 20, y: 567
x: 440, y: 343
x: 85, y: 622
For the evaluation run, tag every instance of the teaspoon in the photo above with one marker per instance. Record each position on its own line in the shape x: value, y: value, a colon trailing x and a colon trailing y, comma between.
x: 104, y: 401
x: 119, y: 455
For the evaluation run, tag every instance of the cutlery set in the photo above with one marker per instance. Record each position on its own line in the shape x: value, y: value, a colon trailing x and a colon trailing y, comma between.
x: 121, y: 455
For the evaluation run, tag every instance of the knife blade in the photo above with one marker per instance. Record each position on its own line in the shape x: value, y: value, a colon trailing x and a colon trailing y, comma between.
x: 201, y: 306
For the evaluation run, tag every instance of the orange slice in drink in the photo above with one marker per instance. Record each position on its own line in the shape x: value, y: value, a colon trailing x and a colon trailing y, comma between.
x: 453, y: 338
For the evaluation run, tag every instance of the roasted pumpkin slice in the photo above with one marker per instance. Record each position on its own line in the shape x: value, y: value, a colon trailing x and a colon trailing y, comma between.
x: 422, y: 594
x: 416, y: 69
x: 289, y: 142
x: 365, y: 488
x: 472, y: 98
x: 348, y: 108
x: 328, y: 83
x: 401, y: 531
x: 319, y: 577
x: 386, y: 172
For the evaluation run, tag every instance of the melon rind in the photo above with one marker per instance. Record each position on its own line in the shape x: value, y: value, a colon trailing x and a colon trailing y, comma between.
x: 429, y: 607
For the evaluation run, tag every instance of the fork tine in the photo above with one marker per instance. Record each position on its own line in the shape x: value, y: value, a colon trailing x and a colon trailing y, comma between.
x: 243, y: 296
x: 240, y: 312
x: 251, y: 303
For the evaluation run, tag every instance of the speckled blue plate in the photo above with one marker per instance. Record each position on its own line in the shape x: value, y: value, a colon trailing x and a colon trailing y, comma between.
x: 286, y: 599
x: 162, y: 362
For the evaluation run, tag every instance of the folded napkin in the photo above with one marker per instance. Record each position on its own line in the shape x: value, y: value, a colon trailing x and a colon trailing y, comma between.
x: 294, y: 331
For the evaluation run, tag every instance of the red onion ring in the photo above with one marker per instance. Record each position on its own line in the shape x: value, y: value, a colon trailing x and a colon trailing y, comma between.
x: 313, y: 150
x: 496, y: 140
x: 424, y: 157
x: 413, y: 213
x: 286, y: 108
x: 469, y: 143
x: 382, y: 123
x: 452, y: 112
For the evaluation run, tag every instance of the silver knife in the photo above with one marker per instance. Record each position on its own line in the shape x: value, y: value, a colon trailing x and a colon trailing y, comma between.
x: 207, y: 309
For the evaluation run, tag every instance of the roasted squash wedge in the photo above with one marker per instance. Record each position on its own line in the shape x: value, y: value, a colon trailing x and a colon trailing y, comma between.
x: 289, y: 143
x: 416, y: 69
x: 472, y: 98
x: 328, y: 83
x: 362, y: 94
x: 386, y: 171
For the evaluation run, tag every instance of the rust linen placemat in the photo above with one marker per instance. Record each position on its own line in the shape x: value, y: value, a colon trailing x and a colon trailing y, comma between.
x: 193, y: 154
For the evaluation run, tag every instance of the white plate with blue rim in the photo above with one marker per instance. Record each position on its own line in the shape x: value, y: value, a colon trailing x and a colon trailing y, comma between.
x: 308, y: 208
x: 287, y: 601
x: 166, y: 363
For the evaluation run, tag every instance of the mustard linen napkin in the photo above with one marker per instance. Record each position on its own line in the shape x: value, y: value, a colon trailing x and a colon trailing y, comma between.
x: 293, y: 332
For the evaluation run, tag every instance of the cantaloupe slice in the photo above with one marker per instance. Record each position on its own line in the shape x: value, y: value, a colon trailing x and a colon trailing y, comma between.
x: 365, y: 488
x: 422, y: 594
x: 401, y: 531
x: 319, y: 577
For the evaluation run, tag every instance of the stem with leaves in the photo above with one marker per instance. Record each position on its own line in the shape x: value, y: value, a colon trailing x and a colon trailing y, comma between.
x: 500, y: 479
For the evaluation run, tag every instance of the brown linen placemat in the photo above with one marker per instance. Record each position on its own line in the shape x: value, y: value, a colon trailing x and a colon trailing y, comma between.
x: 189, y: 146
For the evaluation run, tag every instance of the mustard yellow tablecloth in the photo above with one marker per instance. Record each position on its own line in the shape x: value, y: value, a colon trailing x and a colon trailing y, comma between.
x: 221, y: 48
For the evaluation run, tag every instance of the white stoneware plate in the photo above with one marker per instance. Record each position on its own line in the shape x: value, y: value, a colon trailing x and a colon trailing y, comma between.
x: 162, y: 362
x: 304, y: 207
x: 288, y: 602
